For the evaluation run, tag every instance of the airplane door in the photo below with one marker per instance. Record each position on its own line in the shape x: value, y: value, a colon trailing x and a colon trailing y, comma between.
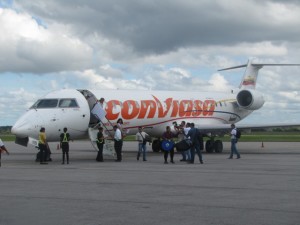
x: 91, y: 100
x: 108, y: 148
x: 96, y: 114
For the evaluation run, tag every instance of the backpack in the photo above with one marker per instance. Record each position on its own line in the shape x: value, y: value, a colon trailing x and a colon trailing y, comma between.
x: 238, y: 134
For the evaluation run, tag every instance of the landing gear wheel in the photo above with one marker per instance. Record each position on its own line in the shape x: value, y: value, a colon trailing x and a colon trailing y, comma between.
x: 218, y: 146
x: 209, y: 146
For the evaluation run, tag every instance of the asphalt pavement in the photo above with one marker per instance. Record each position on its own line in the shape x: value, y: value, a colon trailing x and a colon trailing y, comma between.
x: 260, y: 188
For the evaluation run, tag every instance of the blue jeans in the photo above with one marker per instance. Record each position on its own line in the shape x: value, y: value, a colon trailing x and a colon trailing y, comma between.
x: 142, y: 148
x: 196, y: 149
x: 186, y: 155
x: 233, y: 149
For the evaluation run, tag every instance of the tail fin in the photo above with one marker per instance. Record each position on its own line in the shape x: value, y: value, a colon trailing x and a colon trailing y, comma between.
x: 251, y: 72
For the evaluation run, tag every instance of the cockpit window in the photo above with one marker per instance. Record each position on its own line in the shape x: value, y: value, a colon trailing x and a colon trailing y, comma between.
x: 45, y: 103
x: 52, y: 103
x: 68, y: 103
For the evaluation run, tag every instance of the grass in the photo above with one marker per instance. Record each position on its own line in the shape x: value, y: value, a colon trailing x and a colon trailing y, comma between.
x: 256, y: 137
x: 252, y: 137
x: 266, y: 138
x: 7, y: 137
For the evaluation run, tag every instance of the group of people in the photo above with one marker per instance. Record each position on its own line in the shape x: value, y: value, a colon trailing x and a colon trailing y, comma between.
x: 44, y: 150
x: 44, y: 153
x: 185, y: 131
x: 118, y: 141
x: 119, y: 133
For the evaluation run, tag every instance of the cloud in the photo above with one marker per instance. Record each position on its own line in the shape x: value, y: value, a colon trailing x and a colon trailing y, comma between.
x: 27, y: 46
x: 163, y: 26
x: 12, y: 103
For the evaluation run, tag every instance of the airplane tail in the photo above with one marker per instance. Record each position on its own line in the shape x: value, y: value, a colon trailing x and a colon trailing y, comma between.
x: 251, y: 72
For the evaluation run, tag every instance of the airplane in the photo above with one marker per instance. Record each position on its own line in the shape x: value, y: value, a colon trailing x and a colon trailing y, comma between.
x: 79, y: 110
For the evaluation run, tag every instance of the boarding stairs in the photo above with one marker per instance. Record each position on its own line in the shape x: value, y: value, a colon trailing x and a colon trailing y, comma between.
x: 102, y: 121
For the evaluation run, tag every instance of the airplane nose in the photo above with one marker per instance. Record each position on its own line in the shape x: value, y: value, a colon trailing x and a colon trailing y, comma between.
x: 21, y: 128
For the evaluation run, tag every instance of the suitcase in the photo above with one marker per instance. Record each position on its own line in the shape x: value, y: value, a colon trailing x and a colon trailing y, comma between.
x: 48, y: 157
x: 183, y: 145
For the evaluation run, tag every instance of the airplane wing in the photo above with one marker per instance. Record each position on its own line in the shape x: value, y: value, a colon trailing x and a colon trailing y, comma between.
x: 222, y: 129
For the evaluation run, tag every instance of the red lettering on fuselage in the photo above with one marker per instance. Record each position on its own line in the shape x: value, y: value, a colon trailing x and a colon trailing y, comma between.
x: 130, y: 110
x: 197, y: 108
x: 110, y: 108
x: 145, y: 105
x: 175, y: 108
x: 147, y: 109
x: 185, y: 108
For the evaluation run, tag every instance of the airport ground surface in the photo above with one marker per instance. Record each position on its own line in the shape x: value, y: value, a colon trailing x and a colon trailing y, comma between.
x: 263, y: 187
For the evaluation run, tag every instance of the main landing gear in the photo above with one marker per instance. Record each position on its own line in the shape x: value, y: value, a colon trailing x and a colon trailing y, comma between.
x: 214, y: 146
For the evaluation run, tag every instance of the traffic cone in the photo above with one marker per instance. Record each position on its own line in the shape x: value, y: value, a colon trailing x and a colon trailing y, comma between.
x: 262, y: 144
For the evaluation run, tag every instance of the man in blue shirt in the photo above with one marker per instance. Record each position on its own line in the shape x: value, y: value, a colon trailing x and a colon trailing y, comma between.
x: 194, y: 135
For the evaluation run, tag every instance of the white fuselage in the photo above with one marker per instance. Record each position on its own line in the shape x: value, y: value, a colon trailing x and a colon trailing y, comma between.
x: 153, y: 110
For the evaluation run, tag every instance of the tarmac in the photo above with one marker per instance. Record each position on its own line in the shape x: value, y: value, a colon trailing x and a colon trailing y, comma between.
x: 261, y: 188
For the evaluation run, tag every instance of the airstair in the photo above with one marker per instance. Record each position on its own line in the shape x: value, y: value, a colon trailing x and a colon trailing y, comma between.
x: 98, y: 119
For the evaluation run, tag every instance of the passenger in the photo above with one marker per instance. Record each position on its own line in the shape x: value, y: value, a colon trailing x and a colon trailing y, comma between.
x: 118, y: 143
x: 186, y: 131
x: 120, y: 126
x: 64, y: 143
x: 101, y: 101
x: 168, y: 136
x: 100, y: 143
x: 233, y: 143
x: 141, y: 138
x: 194, y: 135
x: 181, y: 137
x: 43, y: 146
x: 2, y: 149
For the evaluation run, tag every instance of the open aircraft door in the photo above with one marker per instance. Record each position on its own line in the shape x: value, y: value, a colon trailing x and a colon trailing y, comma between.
x: 108, y: 148
x: 97, y: 115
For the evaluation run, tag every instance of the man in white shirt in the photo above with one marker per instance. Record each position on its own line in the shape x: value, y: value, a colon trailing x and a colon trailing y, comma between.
x: 141, y: 138
x: 2, y: 149
x: 118, y: 143
x: 233, y: 143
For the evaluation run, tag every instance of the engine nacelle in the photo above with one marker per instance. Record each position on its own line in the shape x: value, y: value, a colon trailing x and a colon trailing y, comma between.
x: 250, y: 99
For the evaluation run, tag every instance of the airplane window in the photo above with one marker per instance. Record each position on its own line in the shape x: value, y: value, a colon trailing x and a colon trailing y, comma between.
x: 45, y: 103
x: 68, y: 103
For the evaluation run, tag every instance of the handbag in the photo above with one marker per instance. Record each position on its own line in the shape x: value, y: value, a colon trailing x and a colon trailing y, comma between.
x: 146, y: 139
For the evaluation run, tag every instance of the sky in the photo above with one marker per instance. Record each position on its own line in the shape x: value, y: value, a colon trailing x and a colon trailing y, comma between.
x: 148, y: 45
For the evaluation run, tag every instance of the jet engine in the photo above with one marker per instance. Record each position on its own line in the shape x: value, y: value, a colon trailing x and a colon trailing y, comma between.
x: 250, y: 99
